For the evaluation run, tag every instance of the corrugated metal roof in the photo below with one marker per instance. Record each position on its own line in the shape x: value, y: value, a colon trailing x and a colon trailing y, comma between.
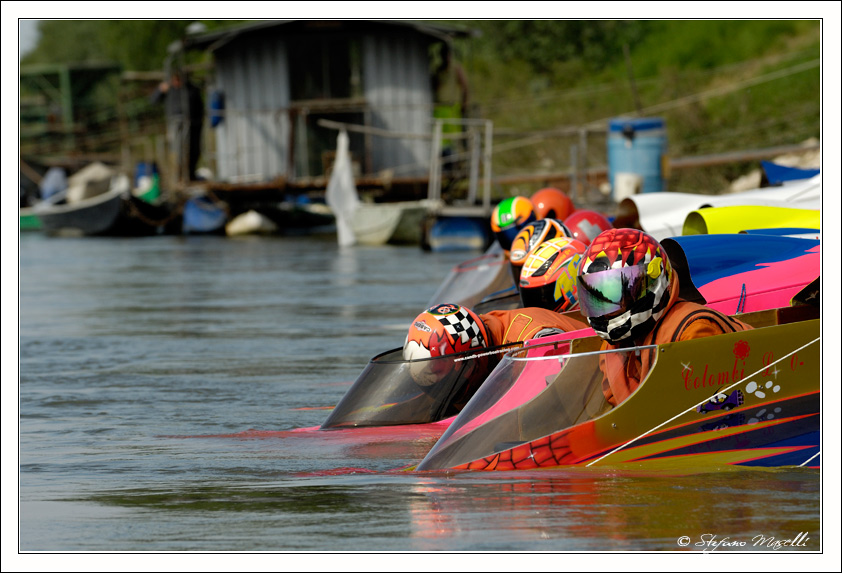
x: 218, y: 38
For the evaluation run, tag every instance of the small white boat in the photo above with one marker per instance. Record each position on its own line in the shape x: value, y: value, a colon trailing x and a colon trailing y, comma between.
x: 381, y: 223
x: 363, y: 223
x: 250, y: 223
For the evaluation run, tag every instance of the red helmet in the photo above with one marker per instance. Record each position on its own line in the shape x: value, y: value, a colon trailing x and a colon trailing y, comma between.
x: 552, y: 203
x: 586, y: 225
x: 548, y: 277
x: 444, y: 329
x: 624, y: 285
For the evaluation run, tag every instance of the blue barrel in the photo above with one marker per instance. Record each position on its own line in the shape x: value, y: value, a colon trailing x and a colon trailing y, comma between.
x: 636, y: 146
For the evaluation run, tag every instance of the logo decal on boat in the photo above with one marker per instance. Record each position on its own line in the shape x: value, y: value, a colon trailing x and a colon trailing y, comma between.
x: 741, y: 350
x: 718, y: 378
x: 721, y: 402
x: 760, y: 390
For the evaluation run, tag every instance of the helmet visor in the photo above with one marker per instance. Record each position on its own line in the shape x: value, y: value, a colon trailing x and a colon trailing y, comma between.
x: 544, y: 296
x: 507, y: 236
x: 611, y: 291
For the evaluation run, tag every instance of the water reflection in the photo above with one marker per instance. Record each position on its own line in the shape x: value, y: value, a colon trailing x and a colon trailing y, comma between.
x: 614, y: 510
x: 161, y: 381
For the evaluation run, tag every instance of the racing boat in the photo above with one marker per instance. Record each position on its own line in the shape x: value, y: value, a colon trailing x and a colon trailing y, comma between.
x: 392, y: 391
x: 740, y: 273
x: 663, y: 214
x: 737, y: 218
x: 758, y: 273
x: 746, y: 398
x: 477, y: 279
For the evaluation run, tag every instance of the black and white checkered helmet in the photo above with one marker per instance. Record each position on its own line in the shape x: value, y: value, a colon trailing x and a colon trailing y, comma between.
x: 444, y: 329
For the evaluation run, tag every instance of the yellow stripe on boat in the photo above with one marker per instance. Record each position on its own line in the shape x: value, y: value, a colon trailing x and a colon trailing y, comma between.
x: 631, y: 454
x: 691, y: 464
x: 685, y: 373
x: 717, y: 220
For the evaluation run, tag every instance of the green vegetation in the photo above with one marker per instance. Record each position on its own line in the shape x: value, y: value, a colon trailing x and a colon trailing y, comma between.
x: 138, y: 45
x: 86, y: 85
x: 721, y: 85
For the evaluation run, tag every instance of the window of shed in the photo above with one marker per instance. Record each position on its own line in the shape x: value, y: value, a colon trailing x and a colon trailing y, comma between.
x: 324, y: 68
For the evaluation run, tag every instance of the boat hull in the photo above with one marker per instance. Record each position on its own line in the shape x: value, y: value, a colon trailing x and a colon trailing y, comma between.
x: 113, y: 213
x: 381, y: 223
x: 29, y: 220
x: 748, y: 398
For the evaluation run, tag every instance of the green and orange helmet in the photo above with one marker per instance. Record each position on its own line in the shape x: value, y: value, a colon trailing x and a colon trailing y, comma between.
x: 548, y: 277
x: 509, y: 217
x: 624, y: 284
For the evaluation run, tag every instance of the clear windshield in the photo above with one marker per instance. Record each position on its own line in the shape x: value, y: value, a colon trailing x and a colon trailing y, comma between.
x: 508, y: 299
x: 533, y: 392
x: 394, y: 391
x: 471, y: 281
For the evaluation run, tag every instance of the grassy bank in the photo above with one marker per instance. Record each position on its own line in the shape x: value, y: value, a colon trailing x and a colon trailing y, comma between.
x: 720, y: 86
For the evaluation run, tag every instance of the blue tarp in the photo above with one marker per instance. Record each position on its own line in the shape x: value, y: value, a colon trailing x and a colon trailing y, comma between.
x: 777, y: 174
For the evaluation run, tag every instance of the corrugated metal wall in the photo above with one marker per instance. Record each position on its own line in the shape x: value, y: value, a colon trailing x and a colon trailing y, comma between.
x: 396, y: 81
x: 253, y: 141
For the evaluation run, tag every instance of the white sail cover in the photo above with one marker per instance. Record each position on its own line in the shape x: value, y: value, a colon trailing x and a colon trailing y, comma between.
x: 341, y: 195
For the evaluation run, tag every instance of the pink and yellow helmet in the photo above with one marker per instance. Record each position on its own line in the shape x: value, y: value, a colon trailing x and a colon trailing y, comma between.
x: 548, y: 277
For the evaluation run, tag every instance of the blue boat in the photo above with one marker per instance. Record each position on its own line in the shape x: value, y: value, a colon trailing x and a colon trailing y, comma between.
x: 459, y: 234
x: 202, y: 216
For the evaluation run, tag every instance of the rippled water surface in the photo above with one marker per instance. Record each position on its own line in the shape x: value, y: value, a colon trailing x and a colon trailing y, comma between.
x: 161, y: 379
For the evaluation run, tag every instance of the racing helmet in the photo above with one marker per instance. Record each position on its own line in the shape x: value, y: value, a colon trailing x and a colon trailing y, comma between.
x: 444, y: 329
x: 548, y: 277
x: 624, y: 284
x: 438, y: 331
x: 529, y: 237
x: 509, y: 217
x: 553, y: 203
x: 586, y: 225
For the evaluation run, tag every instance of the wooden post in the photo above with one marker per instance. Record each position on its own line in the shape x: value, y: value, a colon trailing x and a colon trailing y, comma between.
x: 486, y: 166
x: 583, y: 159
x: 473, y: 181
x: 434, y: 182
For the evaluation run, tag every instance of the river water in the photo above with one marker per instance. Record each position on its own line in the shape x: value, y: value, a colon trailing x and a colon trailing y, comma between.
x: 161, y: 380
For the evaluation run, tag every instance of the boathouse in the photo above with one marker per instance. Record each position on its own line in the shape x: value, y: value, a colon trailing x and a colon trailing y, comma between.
x: 280, y: 82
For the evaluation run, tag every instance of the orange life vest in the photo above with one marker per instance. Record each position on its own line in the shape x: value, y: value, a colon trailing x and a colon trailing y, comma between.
x: 684, y: 320
x: 519, y: 325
